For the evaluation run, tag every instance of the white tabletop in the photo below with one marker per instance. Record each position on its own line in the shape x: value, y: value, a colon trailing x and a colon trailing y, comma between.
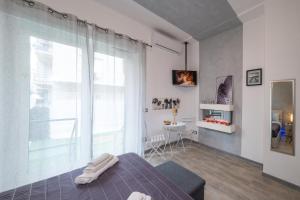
x: 177, y: 126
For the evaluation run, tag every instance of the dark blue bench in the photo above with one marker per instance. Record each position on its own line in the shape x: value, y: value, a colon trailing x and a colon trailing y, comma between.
x: 189, y: 182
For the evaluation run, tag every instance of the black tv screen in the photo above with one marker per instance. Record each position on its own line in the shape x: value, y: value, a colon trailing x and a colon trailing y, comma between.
x: 184, y: 78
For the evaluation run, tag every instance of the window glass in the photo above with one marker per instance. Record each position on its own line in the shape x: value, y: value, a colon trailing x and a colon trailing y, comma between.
x: 108, y: 104
x: 54, y: 90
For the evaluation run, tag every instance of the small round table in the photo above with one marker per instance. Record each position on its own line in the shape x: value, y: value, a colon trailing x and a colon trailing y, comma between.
x: 177, y: 129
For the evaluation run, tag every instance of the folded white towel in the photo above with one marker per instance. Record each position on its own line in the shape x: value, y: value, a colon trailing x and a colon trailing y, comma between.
x: 95, y: 168
x: 88, y: 177
x: 138, y: 196
x: 99, y: 159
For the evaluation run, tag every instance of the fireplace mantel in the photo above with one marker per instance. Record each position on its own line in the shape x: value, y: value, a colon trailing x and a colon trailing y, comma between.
x: 216, y: 125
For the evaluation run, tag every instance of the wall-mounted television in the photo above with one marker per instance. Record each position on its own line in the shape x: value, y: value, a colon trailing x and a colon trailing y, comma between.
x: 184, y: 78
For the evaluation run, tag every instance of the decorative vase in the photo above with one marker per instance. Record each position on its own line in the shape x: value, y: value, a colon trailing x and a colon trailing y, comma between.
x: 174, y: 112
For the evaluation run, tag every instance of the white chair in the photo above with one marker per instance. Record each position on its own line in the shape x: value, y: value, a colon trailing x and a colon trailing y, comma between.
x: 191, y: 129
x: 157, y: 144
x: 180, y: 133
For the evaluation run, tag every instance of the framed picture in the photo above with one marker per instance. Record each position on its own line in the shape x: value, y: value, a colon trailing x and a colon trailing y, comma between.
x: 254, y: 77
x: 224, y: 90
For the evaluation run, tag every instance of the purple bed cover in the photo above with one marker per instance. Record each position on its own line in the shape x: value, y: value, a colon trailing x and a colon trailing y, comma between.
x: 130, y: 174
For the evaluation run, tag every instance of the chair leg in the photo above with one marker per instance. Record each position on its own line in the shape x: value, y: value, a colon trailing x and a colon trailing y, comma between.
x: 165, y: 145
x: 160, y: 153
x: 182, y: 142
x: 178, y: 140
x: 156, y: 149
x: 169, y: 142
x: 191, y: 142
x: 150, y: 154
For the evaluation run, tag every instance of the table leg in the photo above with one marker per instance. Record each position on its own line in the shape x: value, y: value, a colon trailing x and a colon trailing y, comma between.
x: 182, y: 143
x: 169, y: 141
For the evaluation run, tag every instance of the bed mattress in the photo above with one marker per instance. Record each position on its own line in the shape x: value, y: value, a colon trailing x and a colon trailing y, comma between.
x: 130, y: 174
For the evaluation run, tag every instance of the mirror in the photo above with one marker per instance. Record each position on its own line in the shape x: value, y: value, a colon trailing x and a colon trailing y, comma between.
x: 283, y: 116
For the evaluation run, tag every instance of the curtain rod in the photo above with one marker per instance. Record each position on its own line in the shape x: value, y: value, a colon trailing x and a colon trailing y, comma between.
x: 65, y: 15
x: 119, y: 34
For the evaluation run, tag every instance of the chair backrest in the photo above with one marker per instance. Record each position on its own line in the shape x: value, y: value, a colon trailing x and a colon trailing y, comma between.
x: 190, y: 122
x: 153, y: 138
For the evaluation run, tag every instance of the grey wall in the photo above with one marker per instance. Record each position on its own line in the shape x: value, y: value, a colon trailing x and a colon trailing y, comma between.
x: 222, y: 55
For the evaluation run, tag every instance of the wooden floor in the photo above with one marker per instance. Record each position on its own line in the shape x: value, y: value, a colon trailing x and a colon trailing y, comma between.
x: 229, y: 177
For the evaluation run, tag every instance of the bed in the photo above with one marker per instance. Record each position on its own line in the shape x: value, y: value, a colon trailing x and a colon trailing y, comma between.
x: 131, y: 173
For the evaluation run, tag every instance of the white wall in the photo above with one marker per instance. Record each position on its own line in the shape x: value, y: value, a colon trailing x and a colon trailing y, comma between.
x: 282, y: 62
x: 253, y: 96
x: 272, y: 42
x: 159, y: 62
x: 159, y: 84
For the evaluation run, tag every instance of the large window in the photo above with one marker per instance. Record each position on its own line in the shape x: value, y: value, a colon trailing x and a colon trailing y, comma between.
x: 54, y: 110
x: 55, y: 104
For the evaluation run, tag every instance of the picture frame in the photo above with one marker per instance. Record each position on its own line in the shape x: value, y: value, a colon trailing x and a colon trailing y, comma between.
x: 224, y: 90
x: 184, y: 78
x: 165, y: 103
x: 254, y: 77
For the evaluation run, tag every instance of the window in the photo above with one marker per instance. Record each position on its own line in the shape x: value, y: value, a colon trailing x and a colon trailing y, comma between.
x: 54, y: 110
x: 55, y: 104
x: 109, y: 79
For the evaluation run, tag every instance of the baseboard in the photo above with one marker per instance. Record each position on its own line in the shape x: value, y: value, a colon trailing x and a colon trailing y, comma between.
x: 290, y: 185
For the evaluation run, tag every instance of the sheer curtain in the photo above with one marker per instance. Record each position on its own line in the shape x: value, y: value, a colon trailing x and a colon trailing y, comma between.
x: 68, y: 92
x: 41, y: 59
x: 118, y: 88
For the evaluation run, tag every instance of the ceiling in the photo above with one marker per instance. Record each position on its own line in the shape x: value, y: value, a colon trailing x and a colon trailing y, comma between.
x: 137, y: 12
x: 199, y: 18
x: 183, y: 19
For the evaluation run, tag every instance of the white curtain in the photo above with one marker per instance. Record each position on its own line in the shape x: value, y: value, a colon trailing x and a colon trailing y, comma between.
x: 118, y: 89
x: 68, y: 92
